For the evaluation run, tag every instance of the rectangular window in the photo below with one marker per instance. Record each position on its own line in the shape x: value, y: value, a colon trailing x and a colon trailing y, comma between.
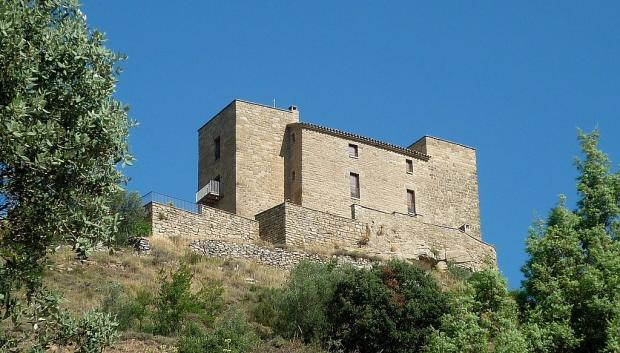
x: 293, y: 175
x: 354, y: 185
x: 216, y: 142
x: 353, y: 150
x: 409, y: 166
x: 411, y: 202
x: 293, y: 137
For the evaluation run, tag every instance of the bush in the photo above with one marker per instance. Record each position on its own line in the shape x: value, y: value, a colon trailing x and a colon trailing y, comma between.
x: 130, y: 312
x: 132, y: 217
x: 231, y: 334
x: 176, y: 305
x: 391, y: 308
x: 301, y: 307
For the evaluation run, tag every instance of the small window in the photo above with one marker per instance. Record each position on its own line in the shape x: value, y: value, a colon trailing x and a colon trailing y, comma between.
x: 293, y: 175
x: 354, y: 185
x: 293, y: 137
x: 409, y: 166
x: 216, y: 143
x: 353, y: 150
x: 411, y: 202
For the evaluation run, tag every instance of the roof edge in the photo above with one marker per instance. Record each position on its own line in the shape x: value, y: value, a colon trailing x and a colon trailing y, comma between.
x: 363, y: 139
x: 443, y: 140
x: 242, y: 101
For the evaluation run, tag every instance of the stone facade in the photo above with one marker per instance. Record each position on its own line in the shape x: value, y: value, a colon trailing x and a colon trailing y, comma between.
x: 294, y: 178
x: 445, y: 185
x: 210, y: 223
x: 222, y: 126
x: 251, y: 164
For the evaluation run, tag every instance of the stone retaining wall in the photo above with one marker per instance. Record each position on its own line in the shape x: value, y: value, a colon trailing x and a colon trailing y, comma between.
x: 376, y: 233
x: 311, y: 228
x: 276, y: 257
x: 403, y: 235
x: 210, y: 223
x: 271, y: 224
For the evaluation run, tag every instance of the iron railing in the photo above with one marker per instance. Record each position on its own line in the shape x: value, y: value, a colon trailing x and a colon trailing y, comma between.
x: 170, y: 201
x: 210, y: 190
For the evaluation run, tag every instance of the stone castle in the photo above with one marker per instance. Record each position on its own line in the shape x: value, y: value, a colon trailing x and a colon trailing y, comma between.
x: 265, y: 176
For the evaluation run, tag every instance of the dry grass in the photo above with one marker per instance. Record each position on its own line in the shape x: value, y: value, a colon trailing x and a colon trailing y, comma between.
x: 83, y: 283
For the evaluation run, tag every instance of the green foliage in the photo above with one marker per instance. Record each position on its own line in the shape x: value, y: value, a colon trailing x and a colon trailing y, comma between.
x: 572, y: 278
x: 301, y: 308
x: 458, y: 272
x: 483, y: 318
x: 62, y: 135
x: 391, y: 308
x: 131, y: 216
x: 231, y: 333
x: 176, y: 305
x: 130, y: 312
x: 93, y: 332
x: 90, y: 333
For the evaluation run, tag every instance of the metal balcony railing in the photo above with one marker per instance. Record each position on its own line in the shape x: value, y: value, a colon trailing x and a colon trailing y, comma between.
x: 170, y: 201
x: 209, y: 193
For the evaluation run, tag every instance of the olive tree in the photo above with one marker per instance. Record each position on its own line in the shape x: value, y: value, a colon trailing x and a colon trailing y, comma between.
x: 63, y: 138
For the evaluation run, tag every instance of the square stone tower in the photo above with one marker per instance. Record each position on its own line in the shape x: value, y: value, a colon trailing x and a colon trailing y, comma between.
x: 241, y: 158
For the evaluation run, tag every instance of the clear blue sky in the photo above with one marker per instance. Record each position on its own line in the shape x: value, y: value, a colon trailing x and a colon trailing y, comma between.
x: 515, y: 80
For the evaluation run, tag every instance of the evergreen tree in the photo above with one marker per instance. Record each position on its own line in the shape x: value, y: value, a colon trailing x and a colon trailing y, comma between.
x: 572, y: 278
x: 483, y: 319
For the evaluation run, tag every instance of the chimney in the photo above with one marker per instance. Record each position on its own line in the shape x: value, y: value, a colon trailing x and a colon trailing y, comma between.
x: 292, y: 108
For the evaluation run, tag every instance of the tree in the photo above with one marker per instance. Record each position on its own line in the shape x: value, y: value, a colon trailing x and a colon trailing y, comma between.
x: 391, y: 308
x: 62, y: 135
x: 572, y: 278
x: 131, y: 216
x: 483, y: 318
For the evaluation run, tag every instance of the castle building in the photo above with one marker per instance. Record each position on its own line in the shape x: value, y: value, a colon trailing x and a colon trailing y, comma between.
x: 265, y: 175
x: 260, y: 156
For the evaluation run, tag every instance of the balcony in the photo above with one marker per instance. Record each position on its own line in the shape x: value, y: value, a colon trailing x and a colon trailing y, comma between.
x: 209, y: 194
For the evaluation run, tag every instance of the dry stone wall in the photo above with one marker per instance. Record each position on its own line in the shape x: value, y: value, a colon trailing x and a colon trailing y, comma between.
x: 211, y: 223
x: 276, y: 257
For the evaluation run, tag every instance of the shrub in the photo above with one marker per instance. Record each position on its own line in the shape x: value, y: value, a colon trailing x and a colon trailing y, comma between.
x: 132, y: 217
x: 130, y: 312
x: 391, y: 308
x: 301, y: 307
x: 176, y: 305
x: 231, y: 334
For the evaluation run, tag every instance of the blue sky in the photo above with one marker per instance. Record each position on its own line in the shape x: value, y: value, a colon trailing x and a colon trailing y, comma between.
x: 513, y: 79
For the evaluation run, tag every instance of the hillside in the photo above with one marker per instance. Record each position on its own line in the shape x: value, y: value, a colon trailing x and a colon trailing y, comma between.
x: 107, y: 276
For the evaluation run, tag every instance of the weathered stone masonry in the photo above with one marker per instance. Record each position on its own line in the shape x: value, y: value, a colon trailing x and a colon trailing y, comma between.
x: 377, y: 233
x: 268, y: 176
x: 211, y: 223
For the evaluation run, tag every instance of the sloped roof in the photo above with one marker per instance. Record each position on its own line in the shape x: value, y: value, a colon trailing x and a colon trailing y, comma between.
x: 363, y: 139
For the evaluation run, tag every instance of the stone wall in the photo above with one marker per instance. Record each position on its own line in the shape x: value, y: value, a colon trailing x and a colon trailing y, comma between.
x: 261, y: 146
x: 271, y: 226
x: 275, y: 257
x: 375, y: 233
x: 402, y: 235
x: 223, y: 126
x: 306, y: 227
x: 445, y: 186
x: 211, y: 223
